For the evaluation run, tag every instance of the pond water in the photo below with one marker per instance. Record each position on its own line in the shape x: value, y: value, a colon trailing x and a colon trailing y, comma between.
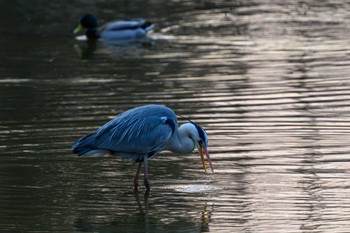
x: 268, y: 80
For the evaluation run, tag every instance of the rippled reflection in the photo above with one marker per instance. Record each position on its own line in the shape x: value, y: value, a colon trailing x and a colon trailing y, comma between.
x: 267, y: 80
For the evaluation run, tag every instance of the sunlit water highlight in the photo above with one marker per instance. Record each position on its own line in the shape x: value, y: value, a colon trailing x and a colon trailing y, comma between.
x: 267, y: 80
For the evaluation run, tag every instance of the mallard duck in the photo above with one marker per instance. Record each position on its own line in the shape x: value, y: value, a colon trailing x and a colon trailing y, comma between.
x: 117, y: 30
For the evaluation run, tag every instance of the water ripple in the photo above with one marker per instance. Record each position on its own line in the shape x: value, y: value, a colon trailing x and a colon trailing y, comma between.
x: 268, y: 82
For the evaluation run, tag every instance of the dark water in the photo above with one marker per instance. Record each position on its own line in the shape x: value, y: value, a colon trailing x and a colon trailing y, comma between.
x: 268, y: 80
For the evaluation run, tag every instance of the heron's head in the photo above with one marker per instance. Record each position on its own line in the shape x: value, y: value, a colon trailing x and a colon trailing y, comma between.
x: 200, y: 139
x: 87, y: 22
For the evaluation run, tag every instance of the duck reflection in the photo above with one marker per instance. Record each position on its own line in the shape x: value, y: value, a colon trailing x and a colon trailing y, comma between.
x: 86, y: 51
x: 117, y: 49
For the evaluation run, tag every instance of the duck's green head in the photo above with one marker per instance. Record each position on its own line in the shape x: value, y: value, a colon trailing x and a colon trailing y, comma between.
x: 87, y: 22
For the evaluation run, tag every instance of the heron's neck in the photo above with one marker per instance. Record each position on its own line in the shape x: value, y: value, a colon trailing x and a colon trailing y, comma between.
x: 181, y: 142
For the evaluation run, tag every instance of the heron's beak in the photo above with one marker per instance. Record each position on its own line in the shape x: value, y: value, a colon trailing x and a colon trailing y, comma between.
x: 202, y: 151
x: 78, y: 29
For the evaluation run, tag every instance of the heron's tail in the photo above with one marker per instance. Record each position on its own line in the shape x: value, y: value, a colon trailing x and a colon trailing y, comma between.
x: 84, y: 145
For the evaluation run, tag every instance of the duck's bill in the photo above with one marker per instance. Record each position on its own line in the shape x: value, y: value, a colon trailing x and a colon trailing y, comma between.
x: 204, y: 151
x: 78, y: 29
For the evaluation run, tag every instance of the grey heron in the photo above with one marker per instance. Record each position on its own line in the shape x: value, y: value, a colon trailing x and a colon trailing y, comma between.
x: 142, y: 132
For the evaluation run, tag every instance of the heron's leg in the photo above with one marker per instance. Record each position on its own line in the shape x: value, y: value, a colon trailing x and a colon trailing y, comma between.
x: 145, y: 178
x: 136, y: 179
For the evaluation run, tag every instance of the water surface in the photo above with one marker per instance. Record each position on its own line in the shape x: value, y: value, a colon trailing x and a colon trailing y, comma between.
x: 268, y: 80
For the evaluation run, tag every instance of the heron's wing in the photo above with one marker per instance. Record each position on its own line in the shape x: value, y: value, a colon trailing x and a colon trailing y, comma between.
x: 136, y: 132
x: 124, y: 25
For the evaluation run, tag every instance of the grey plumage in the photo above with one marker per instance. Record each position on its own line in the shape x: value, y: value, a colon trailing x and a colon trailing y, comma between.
x: 132, y: 134
x: 141, y: 133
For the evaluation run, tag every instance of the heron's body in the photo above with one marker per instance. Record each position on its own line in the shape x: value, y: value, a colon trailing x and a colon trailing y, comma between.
x: 132, y: 29
x: 141, y: 133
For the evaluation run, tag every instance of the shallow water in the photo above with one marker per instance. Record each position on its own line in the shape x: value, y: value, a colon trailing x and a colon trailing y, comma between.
x: 268, y: 80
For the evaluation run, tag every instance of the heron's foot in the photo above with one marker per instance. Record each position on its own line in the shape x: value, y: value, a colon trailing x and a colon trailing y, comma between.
x: 136, y: 184
x: 145, y: 196
x: 145, y: 181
